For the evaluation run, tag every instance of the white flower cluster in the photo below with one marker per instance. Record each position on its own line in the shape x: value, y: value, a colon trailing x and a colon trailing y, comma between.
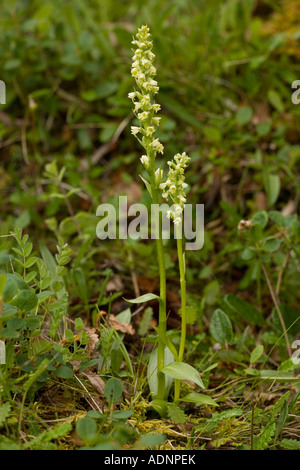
x: 145, y: 108
x: 175, y: 185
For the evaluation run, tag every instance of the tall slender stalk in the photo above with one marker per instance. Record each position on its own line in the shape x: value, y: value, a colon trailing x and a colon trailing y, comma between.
x: 173, y: 189
x: 181, y: 262
x: 145, y: 109
x: 162, y: 319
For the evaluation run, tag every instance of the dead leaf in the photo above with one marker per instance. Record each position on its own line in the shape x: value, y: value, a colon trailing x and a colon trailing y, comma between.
x: 115, y: 284
x: 94, y: 339
x: 261, y: 113
x: 96, y: 382
x: 244, y: 224
x: 75, y: 365
x: 123, y: 327
x: 260, y: 201
x: 289, y: 208
x: 75, y: 439
x: 147, y: 285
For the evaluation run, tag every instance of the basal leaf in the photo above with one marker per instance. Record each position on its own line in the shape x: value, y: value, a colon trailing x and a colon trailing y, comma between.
x: 152, y: 371
x: 199, y: 399
x: 183, y: 371
x: 256, y: 353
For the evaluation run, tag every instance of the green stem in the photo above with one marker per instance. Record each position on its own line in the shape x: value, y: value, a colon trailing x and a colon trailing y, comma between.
x: 162, y: 320
x: 181, y: 262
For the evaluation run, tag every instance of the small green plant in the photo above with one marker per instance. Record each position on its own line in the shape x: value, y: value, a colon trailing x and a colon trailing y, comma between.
x: 107, y: 429
x: 273, y: 251
x: 33, y: 323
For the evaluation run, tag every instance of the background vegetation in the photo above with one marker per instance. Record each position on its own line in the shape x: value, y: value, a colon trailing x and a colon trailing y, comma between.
x: 75, y: 352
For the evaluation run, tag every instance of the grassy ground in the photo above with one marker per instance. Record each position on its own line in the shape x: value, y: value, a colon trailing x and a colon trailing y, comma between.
x: 76, y: 352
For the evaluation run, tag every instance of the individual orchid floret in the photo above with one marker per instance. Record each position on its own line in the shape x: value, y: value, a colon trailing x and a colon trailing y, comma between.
x: 131, y: 95
x: 135, y: 130
x: 145, y: 161
x: 158, y: 176
x: 157, y: 146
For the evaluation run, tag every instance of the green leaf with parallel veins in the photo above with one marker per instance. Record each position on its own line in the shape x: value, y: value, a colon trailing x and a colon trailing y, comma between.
x: 282, y: 418
x: 272, y: 186
x: 183, y: 371
x: 145, y: 321
x: 278, y: 375
x: 152, y: 371
x: 199, y: 399
x: 256, y: 353
x: 143, y: 298
x: 275, y: 100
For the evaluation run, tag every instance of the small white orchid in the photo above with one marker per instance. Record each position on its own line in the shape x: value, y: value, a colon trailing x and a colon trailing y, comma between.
x: 135, y: 130
x: 145, y: 109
